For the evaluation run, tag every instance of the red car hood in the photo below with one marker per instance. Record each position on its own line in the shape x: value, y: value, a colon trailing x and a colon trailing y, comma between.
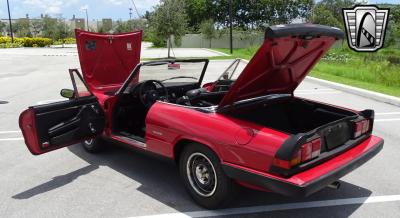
x: 107, y: 59
x: 287, y: 55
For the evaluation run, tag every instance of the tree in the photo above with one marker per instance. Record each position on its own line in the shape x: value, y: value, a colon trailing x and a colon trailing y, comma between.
x: 22, y: 27
x: 252, y: 14
x: 36, y: 26
x: 329, y: 12
x: 207, y: 28
x: 198, y: 11
x: 322, y: 15
x: 55, y: 28
x: 2, y: 27
x: 393, y: 29
x: 169, y: 19
x: 122, y: 27
x: 50, y: 28
x: 130, y: 25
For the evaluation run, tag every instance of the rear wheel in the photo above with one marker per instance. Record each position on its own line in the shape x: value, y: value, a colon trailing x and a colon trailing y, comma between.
x: 94, y: 145
x: 205, y: 180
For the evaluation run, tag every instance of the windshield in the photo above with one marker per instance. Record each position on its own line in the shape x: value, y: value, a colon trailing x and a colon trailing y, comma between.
x: 172, y: 72
x: 188, y: 71
x: 234, y: 70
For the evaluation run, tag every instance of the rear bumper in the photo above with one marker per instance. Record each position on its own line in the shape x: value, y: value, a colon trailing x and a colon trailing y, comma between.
x: 290, y: 187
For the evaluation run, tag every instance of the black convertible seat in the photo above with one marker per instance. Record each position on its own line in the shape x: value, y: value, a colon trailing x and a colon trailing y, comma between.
x: 211, y: 97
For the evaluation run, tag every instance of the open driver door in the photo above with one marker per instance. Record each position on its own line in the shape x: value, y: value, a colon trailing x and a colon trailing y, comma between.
x: 52, y: 126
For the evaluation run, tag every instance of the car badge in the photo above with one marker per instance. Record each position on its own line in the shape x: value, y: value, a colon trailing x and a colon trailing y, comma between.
x: 365, y: 27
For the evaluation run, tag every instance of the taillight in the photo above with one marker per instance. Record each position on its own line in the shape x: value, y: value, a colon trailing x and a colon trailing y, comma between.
x: 306, y: 152
x: 310, y: 150
x: 361, y: 127
x: 296, y: 159
x: 316, y: 148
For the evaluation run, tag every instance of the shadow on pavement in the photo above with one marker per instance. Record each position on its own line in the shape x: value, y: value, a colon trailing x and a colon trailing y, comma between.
x: 55, y: 183
x: 160, y: 180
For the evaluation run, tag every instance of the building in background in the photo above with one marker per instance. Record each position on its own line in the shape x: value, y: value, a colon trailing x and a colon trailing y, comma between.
x: 78, y: 23
x: 33, y: 27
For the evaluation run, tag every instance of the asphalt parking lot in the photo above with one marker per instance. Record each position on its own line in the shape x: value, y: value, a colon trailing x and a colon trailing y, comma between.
x: 122, y: 183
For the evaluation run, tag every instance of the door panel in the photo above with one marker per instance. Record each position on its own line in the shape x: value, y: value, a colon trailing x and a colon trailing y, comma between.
x: 52, y: 126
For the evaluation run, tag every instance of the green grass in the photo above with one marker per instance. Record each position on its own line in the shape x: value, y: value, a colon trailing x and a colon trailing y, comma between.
x: 210, y: 58
x: 244, y: 53
x: 369, y: 71
x: 389, y: 90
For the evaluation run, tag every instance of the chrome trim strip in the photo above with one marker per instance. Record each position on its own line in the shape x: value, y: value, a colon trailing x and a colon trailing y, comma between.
x: 133, y: 141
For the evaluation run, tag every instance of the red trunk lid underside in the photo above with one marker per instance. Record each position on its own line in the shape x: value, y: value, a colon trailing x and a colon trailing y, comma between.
x: 282, y: 62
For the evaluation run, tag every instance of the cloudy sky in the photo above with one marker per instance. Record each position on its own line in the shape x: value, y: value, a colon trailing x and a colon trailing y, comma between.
x: 116, y: 9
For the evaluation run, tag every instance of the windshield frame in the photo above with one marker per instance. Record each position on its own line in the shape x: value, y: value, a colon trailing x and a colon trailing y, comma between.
x: 136, y: 70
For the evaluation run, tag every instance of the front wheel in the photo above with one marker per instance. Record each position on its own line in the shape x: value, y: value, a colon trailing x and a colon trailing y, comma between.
x: 94, y: 145
x: 204, y: 178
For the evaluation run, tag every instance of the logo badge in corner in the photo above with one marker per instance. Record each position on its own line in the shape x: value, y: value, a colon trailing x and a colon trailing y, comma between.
x: 365, y: 27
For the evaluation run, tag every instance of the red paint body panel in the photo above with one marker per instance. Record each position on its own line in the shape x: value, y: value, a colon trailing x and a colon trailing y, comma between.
x: 28, y: 128
x: 221, y: 133
x: 107, y: 59
x: 319, y: 171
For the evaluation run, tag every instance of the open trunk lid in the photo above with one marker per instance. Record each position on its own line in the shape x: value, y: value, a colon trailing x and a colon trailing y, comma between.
x: 107, y: 59
x: 287, y: 55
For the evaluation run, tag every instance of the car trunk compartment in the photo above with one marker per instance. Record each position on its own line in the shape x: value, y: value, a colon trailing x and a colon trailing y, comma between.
x: 293, y: 115
x: 305, y: 121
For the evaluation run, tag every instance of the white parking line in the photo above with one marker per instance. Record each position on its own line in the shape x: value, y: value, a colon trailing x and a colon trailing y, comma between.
x: 49, y: 101
x: 276, y: 207
x: 318, y: 93
x: 11, y: 139
x: 386, y: 120
x: 387, y: 113
x: 313, y: 90
x: 7, y: 132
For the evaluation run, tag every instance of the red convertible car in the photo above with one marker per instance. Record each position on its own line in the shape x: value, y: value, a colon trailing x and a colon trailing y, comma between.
x: 246, y: 128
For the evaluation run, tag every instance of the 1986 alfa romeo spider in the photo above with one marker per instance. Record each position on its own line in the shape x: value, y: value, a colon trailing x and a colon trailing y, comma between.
x: 245, y: 128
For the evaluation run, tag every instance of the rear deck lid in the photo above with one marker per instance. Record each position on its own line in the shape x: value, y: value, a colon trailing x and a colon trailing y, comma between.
x: 107, y: 59
x: 288, y: 54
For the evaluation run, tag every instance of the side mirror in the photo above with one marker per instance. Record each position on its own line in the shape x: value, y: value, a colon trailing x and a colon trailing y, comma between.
x: 225, y: 76
x: 67, y: 93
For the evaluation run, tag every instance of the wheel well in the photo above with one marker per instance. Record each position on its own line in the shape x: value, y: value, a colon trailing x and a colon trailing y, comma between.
x: 182, y: 143
x: 179, y: 147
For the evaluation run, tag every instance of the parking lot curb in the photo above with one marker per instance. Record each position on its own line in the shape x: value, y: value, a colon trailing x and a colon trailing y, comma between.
x: 217, y: 52
x: 357, y: 91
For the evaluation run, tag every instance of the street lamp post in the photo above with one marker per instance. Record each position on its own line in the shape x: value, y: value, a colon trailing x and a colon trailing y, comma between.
x: 230, y: 27
x: 87, y: 19
x: 9, y: 20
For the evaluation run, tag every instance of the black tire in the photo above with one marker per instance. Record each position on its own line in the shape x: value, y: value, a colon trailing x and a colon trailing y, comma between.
x: 192, y: 165
x: 94, y: 145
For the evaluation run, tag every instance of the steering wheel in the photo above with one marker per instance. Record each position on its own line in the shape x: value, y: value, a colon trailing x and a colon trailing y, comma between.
x: 148, y: 93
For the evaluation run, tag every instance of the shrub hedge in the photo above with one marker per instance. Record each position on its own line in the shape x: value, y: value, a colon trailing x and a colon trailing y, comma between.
x: 65, y: 41
x: 26, y: 42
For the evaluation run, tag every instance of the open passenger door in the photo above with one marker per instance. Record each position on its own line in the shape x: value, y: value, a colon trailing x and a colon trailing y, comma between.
x: 56, y: 125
